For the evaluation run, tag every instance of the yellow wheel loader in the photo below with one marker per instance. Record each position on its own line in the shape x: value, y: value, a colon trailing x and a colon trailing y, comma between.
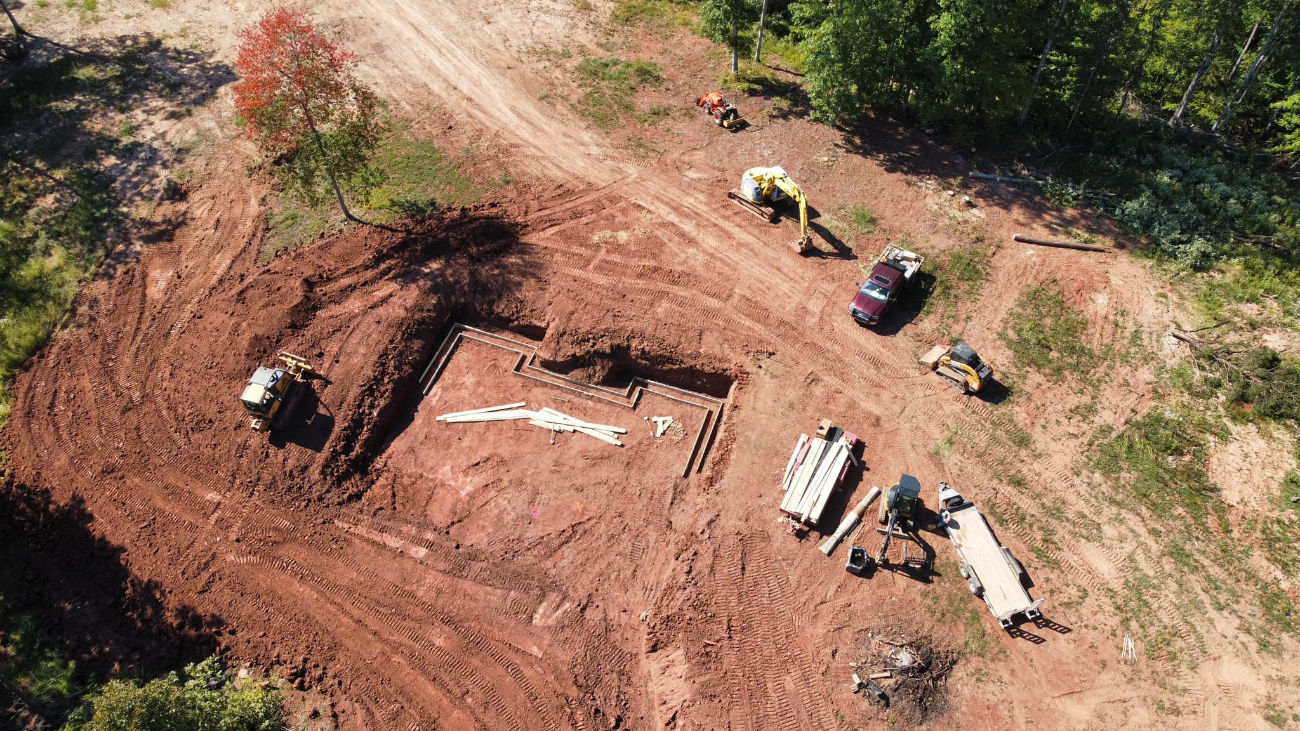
x: 960, y: 366
x: 760, y: 188
x: 272, y: 392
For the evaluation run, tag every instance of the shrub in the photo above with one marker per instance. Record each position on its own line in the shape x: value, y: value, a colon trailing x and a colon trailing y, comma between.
x: 204, y: 699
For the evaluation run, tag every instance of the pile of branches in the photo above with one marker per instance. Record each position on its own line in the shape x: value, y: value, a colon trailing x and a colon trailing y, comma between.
x: 1252, y: 375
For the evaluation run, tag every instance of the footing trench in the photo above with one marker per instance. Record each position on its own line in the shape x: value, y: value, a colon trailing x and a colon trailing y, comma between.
x: 525, y: 365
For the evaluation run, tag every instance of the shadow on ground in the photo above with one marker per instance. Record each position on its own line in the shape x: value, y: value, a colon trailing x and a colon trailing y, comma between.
x: 67, y: 594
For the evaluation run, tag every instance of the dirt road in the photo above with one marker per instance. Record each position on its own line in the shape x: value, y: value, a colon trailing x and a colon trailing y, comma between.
x: 428, y: 576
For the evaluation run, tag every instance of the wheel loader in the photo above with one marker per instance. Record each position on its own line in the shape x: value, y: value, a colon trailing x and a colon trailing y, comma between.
x: 960, y: 366
x: 272, y: 392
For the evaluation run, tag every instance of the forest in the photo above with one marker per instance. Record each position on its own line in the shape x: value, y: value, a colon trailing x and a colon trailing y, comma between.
x: 1180, y: 118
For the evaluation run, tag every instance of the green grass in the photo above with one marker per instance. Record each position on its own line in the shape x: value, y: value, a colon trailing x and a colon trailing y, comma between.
x: 1159, y: 461
x: 34, y: 662
x: 959, y: 276
x: 1044, y: 333
x: 418, y: 178
x: 652, y: 13
x: 953, y: 605
x: 609, y: 88
x: 788, y: 54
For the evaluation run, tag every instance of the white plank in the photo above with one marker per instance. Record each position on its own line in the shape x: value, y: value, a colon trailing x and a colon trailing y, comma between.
x: 817, y: 485
x: 795, y: 494
x: 602, y: 436
x: 831, y: 480
x: 484, y: 410
x: 789, y: 466
x: 580, y: 422
x: 493, y: 416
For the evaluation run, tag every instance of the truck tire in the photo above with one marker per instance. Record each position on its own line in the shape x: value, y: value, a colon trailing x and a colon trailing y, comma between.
x: 965, y: 574
x: 976, y: 587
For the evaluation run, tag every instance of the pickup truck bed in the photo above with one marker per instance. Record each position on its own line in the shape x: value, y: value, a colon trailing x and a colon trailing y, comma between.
x: 988, y: 566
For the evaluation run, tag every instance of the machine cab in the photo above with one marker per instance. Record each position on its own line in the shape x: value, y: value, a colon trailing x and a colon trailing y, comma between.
x: 905, y: 495
x: 263, y: 390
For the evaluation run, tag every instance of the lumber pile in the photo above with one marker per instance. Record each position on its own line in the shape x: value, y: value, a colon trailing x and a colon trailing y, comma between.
x: 815, y: 470
x: 545, y: 418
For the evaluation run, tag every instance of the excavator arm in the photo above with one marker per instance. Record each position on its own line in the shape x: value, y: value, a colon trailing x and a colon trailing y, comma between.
x: 796, y: 194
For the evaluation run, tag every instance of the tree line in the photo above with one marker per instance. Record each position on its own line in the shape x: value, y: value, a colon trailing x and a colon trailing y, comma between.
x: 1229, y: 66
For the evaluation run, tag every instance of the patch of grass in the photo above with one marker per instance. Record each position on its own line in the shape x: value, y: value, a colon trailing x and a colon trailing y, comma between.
x: 1159, y: 461
x: 161, y: 4
x: 418, y: 178
x: 34, y: 661
x: 1291, y: 491
x: 861, y: 219
x: 789, y: 54
x: 959, y: 275
x: 1044, y: 333
x: 652, y: 13
x: 954, y: 605
x: 609, y: 86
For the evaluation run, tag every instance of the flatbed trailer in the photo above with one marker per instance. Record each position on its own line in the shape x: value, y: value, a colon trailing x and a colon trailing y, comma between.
x: 990, y: 570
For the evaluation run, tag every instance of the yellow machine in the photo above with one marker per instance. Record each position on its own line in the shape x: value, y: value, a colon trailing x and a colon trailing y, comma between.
x: 960, y: 365
x: 760, y: 188
x: 272, y: 392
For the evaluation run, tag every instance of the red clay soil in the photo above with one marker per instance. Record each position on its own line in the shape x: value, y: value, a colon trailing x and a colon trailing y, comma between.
x: 426, y: 575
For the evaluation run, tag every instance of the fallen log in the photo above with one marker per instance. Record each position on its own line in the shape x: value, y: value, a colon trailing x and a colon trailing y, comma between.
x: 1057, y: 244
x: 1005, y: 179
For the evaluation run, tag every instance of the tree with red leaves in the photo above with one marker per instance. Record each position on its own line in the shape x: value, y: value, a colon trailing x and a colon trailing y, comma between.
x: 300, y: 100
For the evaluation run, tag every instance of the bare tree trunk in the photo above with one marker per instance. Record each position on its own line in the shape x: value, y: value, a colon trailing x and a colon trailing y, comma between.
x: 1134, y: 71
x: 1083, y: 94
x: 762, y: 19
x: 1205, y: 66
x: 1042, y: 61
x: 20, y: 35
x: 1265, y: 50
x: 320, y: 147
x: 1245, y: 47
x: 735, y: 56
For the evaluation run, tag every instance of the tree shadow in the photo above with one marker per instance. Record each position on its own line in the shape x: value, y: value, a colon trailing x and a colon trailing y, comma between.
x: 77, y: 119
x: 474, y: 273
x: 83, y: 603
x: 771, y: 88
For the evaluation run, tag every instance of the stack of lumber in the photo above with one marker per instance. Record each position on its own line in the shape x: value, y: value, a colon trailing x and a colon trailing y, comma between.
x: 815, y: 469
x: 545, y: 418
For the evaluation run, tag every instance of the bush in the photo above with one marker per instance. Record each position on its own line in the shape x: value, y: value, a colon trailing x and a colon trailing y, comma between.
x: 205, y: 699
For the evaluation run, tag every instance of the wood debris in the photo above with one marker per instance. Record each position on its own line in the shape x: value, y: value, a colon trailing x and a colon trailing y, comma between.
x: 545, y: 418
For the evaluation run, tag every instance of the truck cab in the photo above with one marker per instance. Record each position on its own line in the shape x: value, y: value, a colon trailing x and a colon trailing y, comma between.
x: 894, y: 271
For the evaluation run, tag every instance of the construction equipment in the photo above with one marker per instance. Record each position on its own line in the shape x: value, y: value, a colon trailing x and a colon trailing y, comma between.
x: 991, y: 572
x: 896, y: 513
x: 272, y: 393
x: 895, y: 270
x: 960, y: 366
x: 761, y: 188
x: 723, y: 112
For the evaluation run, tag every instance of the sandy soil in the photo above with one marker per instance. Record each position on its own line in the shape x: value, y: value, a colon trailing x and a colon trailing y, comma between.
x: 479, y: 575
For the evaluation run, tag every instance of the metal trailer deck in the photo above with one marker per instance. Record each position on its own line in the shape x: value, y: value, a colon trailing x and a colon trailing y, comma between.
x: 991, y: 571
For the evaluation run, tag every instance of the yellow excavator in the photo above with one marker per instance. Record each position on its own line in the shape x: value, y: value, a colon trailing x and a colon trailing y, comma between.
x: 271, y: 393
x: 960, y: 366
x: 760, y: 188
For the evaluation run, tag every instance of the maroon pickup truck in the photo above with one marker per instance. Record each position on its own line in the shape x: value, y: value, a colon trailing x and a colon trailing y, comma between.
x: 895, y: 270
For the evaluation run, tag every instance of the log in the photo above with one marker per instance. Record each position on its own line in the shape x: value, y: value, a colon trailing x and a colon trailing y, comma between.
x: 789, y: 466
x: 849, y: 522
x: 1058, y: 244
x: 1004, y: 179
